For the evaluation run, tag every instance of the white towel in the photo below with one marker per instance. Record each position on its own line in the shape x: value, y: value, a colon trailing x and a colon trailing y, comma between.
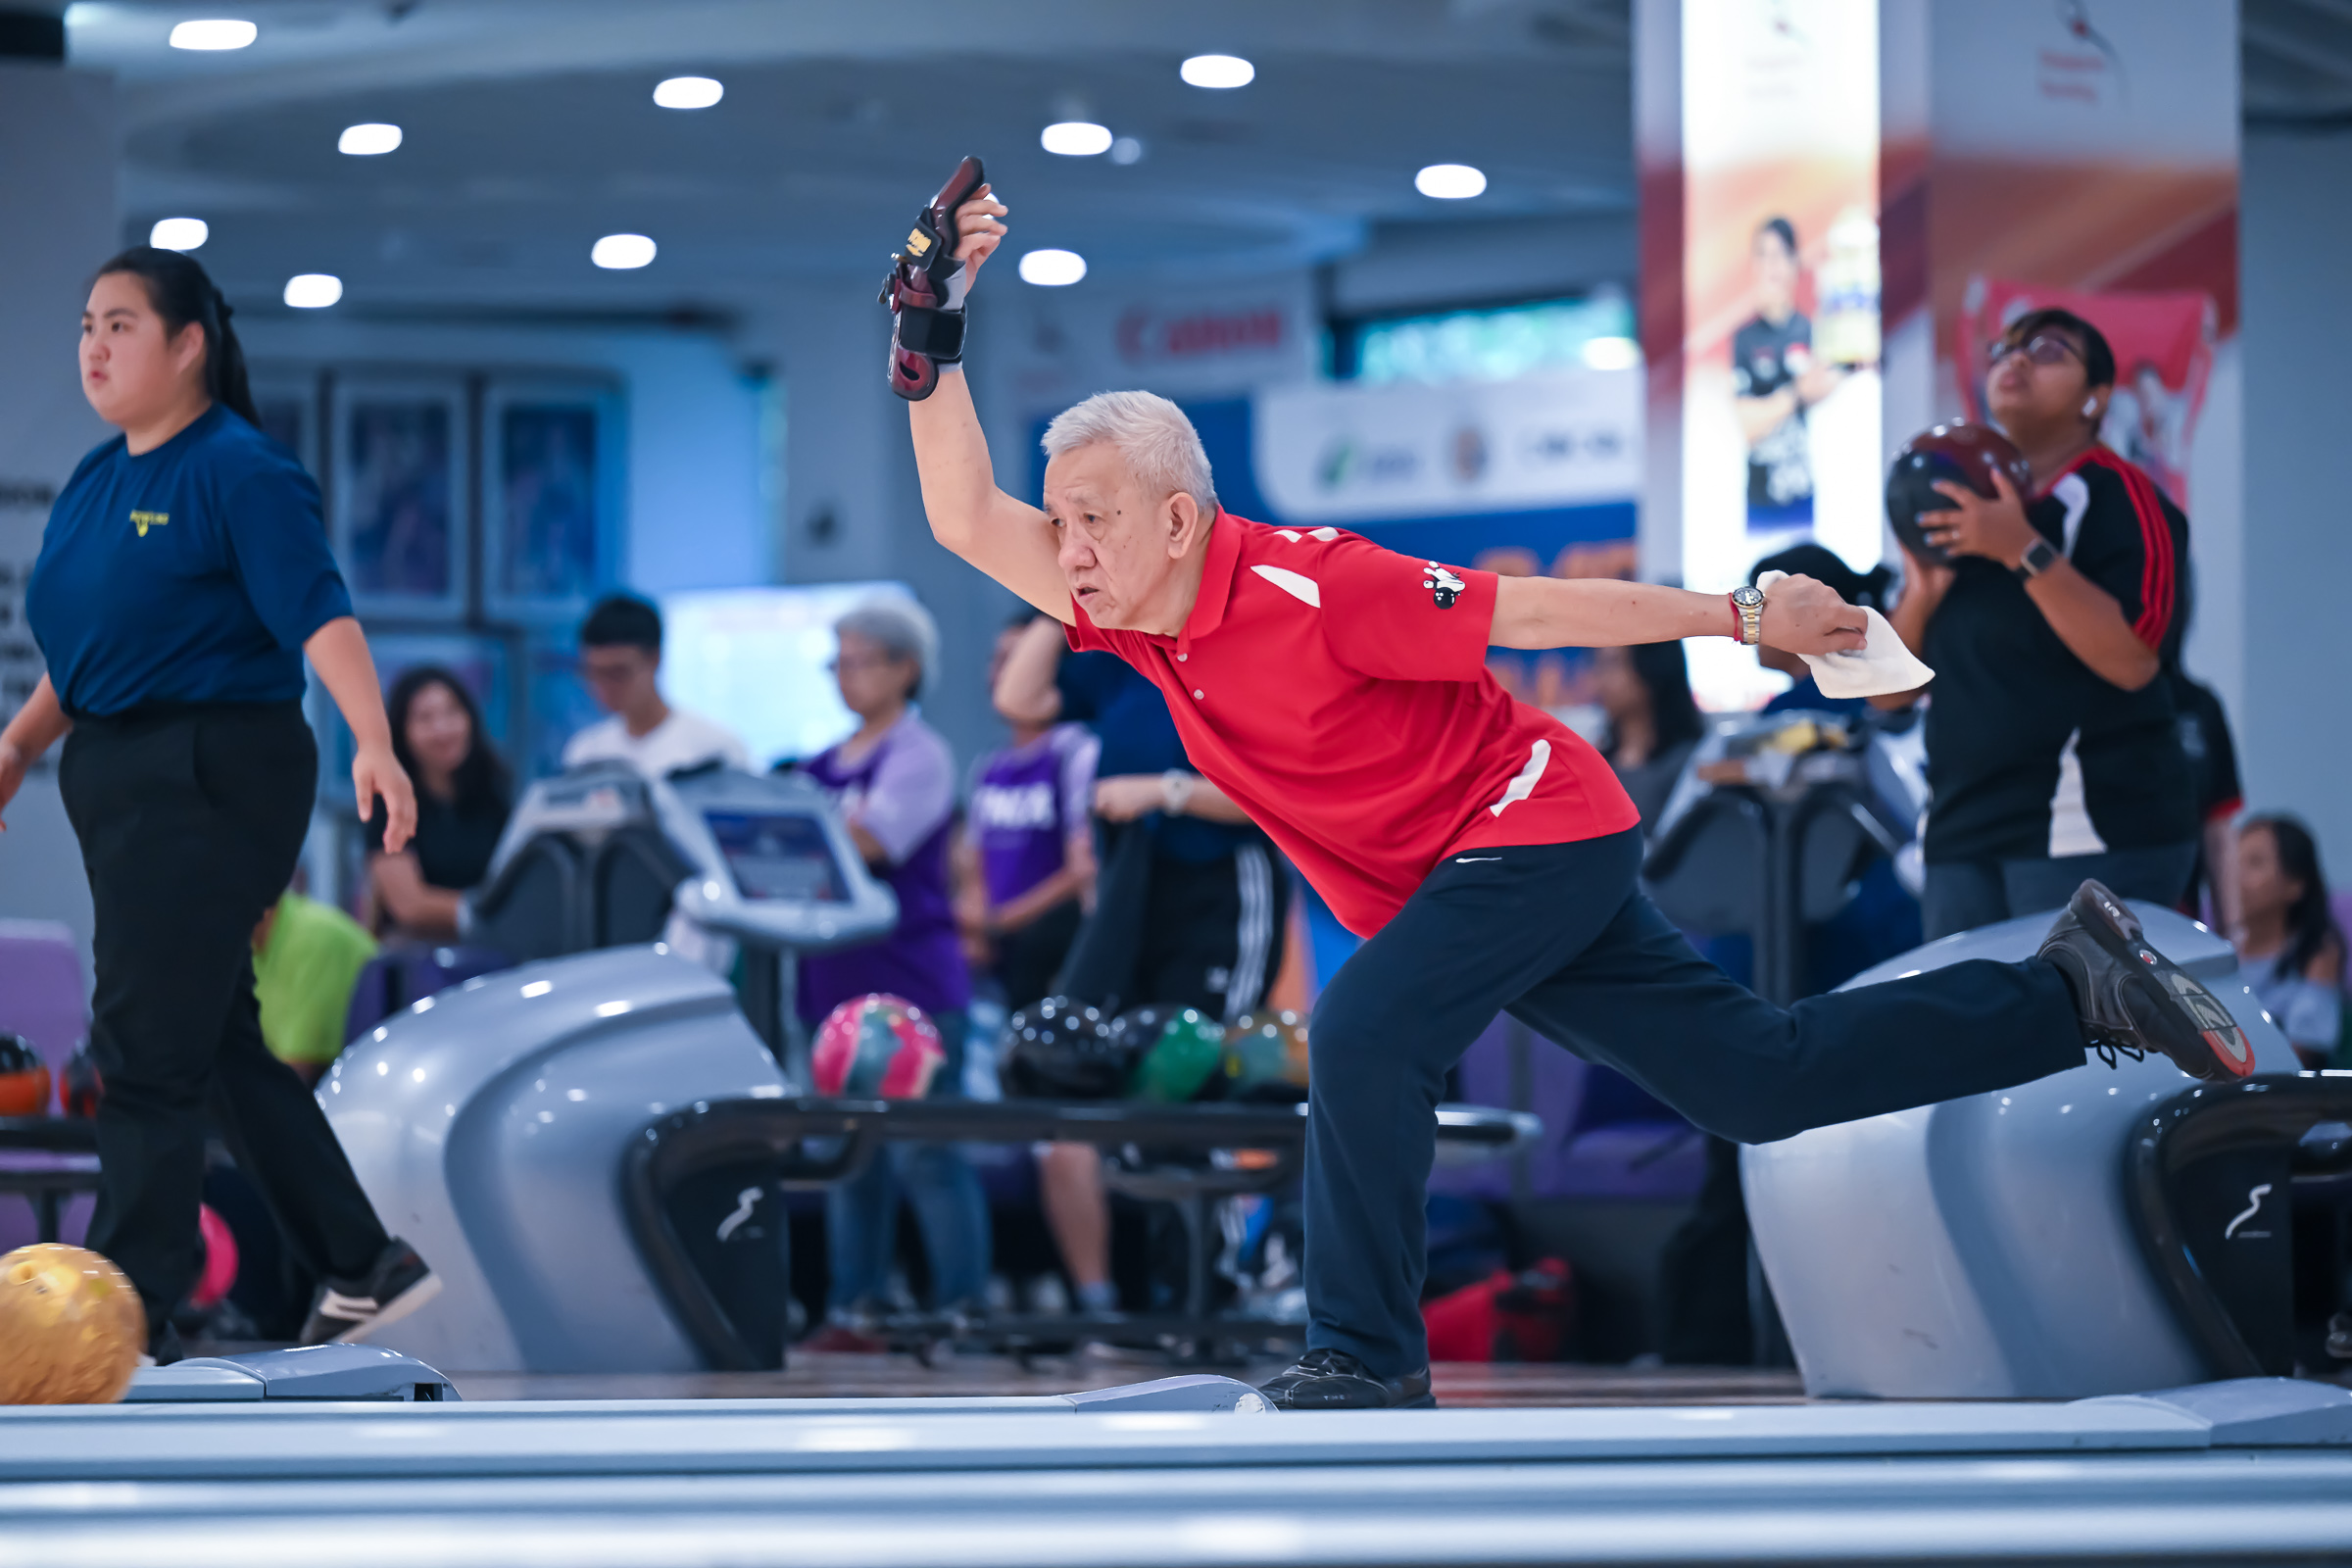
x: 1881, y: 665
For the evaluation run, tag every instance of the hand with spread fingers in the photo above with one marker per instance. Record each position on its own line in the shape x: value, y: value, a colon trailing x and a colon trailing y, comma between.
x: 1994, y: 528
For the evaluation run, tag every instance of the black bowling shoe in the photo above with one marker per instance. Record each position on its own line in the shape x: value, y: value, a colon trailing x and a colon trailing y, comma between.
x: 1334, y: 1380
x: 350, y: 1310
x: 2132, y: 999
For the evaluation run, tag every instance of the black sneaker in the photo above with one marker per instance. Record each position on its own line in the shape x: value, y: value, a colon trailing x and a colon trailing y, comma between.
x: 350, y: 1310
x: 1334, y: 1380
x: 2132, y: 1000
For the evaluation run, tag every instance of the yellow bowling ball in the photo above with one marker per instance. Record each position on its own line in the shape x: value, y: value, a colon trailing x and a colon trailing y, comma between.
x: 72, y: 1329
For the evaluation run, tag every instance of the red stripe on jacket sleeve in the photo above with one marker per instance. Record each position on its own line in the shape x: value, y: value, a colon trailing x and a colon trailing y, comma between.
x: 2156, y: 573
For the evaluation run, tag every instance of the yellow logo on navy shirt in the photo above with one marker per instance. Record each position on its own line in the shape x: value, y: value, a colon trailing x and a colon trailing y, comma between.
x: 144, y: 520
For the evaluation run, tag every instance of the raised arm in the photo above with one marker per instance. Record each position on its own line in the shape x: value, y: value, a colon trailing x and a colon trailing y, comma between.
x: 1802, y: 615
x: 1008, y: 539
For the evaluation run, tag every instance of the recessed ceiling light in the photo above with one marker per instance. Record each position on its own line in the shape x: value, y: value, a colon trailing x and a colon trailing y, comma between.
x: 1218, y: 71
x: 369, y: 141
x: 1052, y: 268
x: 622, y: 252
x: 1075, y: 138
x: 1126, y: 150
x: 179, y: 234
x: 689, y: 92
x: 1449, y: 182
x: 217, y: 33
x: 312, y: 291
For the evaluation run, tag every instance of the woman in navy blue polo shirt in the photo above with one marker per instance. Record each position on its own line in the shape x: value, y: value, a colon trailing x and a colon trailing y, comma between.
x: 183, y: 577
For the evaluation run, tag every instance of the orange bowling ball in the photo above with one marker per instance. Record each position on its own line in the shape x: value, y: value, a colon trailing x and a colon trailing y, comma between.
x: 72, y: 1329
x: 23, y: 1078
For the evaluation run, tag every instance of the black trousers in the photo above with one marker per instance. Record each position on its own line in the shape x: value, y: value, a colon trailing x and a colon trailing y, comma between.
x: 191, y: 821
x: 1560, y: 937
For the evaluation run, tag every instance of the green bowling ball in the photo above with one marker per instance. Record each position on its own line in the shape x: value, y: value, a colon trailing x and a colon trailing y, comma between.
x: 1265, y: 1060
x: 1182, y: 1061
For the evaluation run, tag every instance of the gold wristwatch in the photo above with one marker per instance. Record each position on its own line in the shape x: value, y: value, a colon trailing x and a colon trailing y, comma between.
x: 1748, y: 604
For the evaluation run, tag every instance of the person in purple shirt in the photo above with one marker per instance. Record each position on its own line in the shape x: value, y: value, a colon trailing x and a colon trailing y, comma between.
x: 895, y: 782
x: 1026, y: 860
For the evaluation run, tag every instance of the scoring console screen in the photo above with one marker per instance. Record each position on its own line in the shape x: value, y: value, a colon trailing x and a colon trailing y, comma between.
x: 777, y: 855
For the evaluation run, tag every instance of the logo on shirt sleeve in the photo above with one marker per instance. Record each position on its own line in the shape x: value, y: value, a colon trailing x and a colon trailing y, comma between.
x: 144, y: 520
x: 1442, y: 585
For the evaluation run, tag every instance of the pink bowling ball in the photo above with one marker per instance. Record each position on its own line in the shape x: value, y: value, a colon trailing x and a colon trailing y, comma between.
x: 877, y: 1047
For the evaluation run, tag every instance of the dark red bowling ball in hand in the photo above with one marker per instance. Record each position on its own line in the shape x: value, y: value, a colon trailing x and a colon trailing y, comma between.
x: 1959, y: 452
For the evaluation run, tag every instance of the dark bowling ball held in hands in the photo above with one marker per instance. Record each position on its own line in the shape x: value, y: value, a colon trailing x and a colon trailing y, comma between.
x: 1959, y: 452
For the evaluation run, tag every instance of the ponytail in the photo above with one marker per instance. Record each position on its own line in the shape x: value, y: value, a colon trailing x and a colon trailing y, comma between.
x: 180, y: 291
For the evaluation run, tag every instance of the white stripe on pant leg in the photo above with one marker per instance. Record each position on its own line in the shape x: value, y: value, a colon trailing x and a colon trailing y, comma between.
x: 1254, y: 877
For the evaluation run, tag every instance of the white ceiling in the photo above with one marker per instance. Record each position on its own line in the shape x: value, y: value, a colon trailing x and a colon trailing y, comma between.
x: 531, y: 130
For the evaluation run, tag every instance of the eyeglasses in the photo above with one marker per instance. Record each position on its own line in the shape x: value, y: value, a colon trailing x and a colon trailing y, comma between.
x: 2042, y: 349
x: 835, y: 665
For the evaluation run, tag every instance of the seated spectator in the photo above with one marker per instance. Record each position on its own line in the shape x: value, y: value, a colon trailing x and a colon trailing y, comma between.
x: 307, y: 956
x: 895, y: 782
x: 2290, y: 954
x: 1029, y: 847
x: 463, y: 798
x: 1654, y: 723
x: 1823, y: 565
x: 620, y: 656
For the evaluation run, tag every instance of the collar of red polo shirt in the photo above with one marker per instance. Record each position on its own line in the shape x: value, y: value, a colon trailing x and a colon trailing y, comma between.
x: 1208, y: 614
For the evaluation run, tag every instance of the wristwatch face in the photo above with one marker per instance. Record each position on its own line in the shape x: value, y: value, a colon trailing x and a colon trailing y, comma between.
x: 1750, y: 598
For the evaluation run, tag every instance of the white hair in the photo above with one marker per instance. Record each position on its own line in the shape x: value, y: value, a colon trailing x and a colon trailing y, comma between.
x: 901, y: 627
x: 1161, y: 448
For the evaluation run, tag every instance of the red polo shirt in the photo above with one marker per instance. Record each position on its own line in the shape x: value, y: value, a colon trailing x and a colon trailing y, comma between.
x: 1322, y: 683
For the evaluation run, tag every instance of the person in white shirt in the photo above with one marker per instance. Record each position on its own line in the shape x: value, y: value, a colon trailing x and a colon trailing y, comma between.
x: 620, y: 655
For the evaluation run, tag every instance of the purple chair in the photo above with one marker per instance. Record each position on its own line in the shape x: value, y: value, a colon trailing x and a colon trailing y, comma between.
x: 42, y: 999
x: 1602, y: 1137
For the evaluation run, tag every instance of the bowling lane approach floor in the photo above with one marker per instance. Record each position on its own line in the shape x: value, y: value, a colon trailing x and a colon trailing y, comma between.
x: 819, y: 1376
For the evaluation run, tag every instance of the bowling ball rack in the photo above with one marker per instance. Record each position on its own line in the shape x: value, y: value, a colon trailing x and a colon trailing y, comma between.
x: 47, y: 1159
x: 849, y: 1134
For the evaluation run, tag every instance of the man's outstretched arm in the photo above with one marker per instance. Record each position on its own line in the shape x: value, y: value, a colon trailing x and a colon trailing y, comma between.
x: 1800, y: 615
x: 1008, y: 539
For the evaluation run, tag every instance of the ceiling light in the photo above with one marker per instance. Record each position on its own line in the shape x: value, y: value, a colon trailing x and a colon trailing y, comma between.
x: 1075, y: 138
x: 1449, y: 182
x: 1612, y: 354
x: 1126, y: 150
x: 312, y: 291
x: 1052, y: 268
x: 620, y: 253
x: 689, y: 92
x: 1218, y: 71
x: 220, y: 34
x: 369, y: 141
x: 179, y: 234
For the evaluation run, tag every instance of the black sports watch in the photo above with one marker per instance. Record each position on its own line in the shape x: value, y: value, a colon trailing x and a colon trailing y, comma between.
x: 2035, y: 560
